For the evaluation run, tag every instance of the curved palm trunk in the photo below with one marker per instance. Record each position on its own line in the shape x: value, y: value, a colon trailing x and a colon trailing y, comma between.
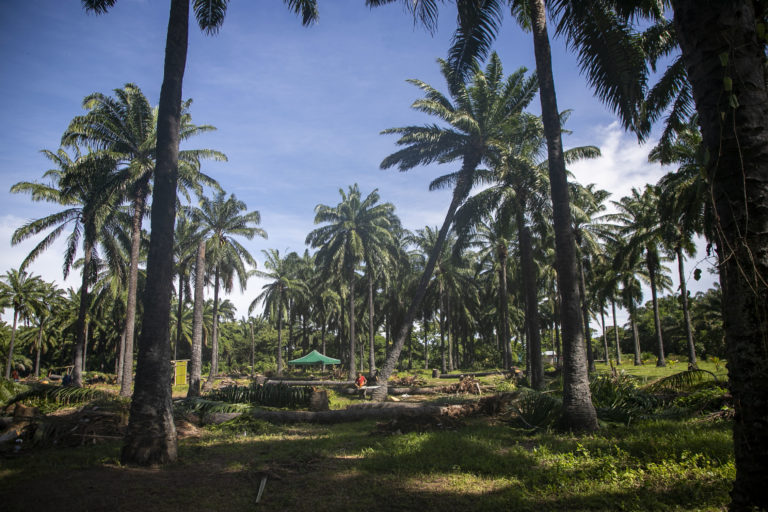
x: 352, y: 363
x: 133, y: 278
x: 686, y: 313
x: 371, y: 348
x: 656, y: 317
x: 151, y: 434
x: 578, y: 413
x: 585, y: 319
x: 196, y: 358
x: 82, y: 320
x: 737, y: 139
x: 214, y: 335
x: 616, y: 333
x: 9, y: 363
x: 533, y: 337
x: 463, y: 186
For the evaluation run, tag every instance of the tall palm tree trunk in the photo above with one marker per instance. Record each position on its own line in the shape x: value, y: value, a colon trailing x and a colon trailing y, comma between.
x: 196, y: 358
x: 661, y: 361
x: 504, y: 306
x: 635, y: 336
x: 179, y: 312
x: 253, y: 348
x: 578, y: 413
x: 616, y: 332
x: 151, y: 434
x: 449, y: 332
x: 443, y: 362
x: 737, y: 139
x: 120, y: 356
x: 533, y: 338
x: 686, y: 314
x: 133, y: 279
x: 352, y: 363
x: 371, y: 348
x: 426, y: 342
x: 9, y: 363
x: 214, y: 334
x: 605, y: 335
x: 38, y: 349
x: 463, y: 186
x: 82, y: 320
x: 585, y: 319
x: 280, y: 334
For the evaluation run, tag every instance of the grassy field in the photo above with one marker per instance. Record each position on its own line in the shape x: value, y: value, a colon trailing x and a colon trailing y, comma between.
x: 480, y: 463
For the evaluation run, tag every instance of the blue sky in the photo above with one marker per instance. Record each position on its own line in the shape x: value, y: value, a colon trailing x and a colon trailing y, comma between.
x: 298, y: 109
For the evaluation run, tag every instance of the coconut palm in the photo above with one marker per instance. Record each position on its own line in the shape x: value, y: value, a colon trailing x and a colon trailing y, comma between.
x: 356, y: 230
x: 475, y: 118
x: 276, y: 294
x: 23, y: 292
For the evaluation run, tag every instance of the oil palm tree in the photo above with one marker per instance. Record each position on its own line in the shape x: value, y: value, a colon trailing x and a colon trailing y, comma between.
x: 356, y: 230
x: 23, y: 292
x: 474, y: 120
x: 276, y: 294
x: 151, y: 410
x: 124, y: 128
x: 220, y: 220
x: 77, y: 185
x: 638, y: 223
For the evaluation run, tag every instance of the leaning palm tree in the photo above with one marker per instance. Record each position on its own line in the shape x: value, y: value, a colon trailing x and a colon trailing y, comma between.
x: 276, y: 294
x: 77, y: 185
x: 151, y: 437
x: 355, y: 230
x: 475, y: 119
x: 23, y: 292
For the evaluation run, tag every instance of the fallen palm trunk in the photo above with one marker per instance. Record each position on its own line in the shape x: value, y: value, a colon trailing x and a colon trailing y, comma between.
x: 375, y: 410
x: 326, y: 383
x: 476, y: 374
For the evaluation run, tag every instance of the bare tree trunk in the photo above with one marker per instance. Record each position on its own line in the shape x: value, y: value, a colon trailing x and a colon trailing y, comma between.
x: 179, y: 312
x: 616, y: 332
x: 253, y: 348
x: 504, y: 306
x: 196, y: 358
x: 9, y: 363
x: 82, y: 328
x: 352, y: 363
x: 686, y: 314
x: 578, y: 413
x: 371, y: 348
x: 38, y: 349
x: 280, y: 334
x: 585, y: 316
x: 605, y: 335
x: 151, y: 434
x: 121, y: 357
x: 214, y: 334
x: 719, y: 40
x: 656, y: 317
x: 426, y: 342
x: 635, y: 336
x: 133, y: 280
x: 528, y: 267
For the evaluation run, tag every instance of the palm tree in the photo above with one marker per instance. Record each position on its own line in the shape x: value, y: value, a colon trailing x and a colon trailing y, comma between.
x: 356, y: 230
x: 151, y: 406
x: 123, y: 127
x: 24, y: 293
x: 476, y: 121
x: 276, y: 294
x: 51, y: 299
x: 638, y: 223
x: 78, y: 186
x: 220, y: 220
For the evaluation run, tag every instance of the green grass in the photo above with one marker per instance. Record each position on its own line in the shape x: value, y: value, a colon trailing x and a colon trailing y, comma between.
x: 482, y: 465
x: 649, y: 372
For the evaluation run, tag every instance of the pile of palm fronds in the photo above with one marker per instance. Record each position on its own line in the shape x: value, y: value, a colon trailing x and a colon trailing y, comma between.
x: 271, y: 395
x: 50, y: 394
x: 617, y: 398
x: 9, y: 389
x: 202, y: 406
x: 684, y: 382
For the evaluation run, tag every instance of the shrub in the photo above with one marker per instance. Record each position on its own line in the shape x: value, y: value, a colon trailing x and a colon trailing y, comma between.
x: 617, y: 398
x: 534, y: 410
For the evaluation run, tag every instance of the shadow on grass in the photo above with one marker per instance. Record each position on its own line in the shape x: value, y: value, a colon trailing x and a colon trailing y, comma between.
x: 346, y: 467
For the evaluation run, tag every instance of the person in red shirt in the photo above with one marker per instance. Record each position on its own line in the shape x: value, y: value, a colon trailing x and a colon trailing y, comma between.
x: 360, y: 381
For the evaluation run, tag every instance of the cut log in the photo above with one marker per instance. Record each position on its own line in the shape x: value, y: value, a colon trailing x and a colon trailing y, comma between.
x: 326, y: 383
x: 476, y: 374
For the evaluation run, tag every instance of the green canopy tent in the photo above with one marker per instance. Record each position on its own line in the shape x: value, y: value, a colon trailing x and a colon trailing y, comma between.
x: 314, y: 357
